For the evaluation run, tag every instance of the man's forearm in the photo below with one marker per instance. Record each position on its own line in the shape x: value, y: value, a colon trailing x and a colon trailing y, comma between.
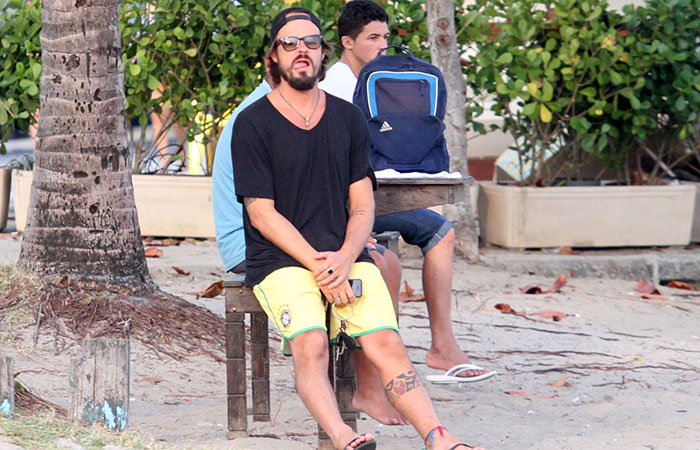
x: 361, y: 218
x: 359, y: 228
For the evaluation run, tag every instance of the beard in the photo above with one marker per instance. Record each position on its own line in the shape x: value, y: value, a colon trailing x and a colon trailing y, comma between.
x: 302, y: 82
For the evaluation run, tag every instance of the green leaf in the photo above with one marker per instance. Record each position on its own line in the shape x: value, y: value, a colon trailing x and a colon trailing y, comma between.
x: 134, y: 69
x: 615, y: 77
x: 680, y: 103
x: 190, y: 52
x: 547, y: 91
x: 153, y: 83
x: 530, y: 110
x: 589, y: 92
x: 4, y: 118
x: 505, y: 58
x: 588, y: 142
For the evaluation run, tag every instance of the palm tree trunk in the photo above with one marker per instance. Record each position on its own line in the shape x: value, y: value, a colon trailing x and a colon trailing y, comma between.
x: 82, y: 220
x: 445, y: 55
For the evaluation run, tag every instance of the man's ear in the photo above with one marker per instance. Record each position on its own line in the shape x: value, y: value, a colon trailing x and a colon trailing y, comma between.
x: 273, y: 57
x: 347, y: 42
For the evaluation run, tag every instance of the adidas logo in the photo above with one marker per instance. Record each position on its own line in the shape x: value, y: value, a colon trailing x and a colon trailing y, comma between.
x: 385, y: 127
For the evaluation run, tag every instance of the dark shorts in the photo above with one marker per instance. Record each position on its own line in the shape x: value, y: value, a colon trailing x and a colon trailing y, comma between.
x: 421, y: 227
x: 379, y: 248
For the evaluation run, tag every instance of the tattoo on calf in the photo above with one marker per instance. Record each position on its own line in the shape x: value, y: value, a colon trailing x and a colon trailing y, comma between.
x: 402, y: 384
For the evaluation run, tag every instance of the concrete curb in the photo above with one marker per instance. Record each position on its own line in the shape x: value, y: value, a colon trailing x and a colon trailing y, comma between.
x: 650, y: 266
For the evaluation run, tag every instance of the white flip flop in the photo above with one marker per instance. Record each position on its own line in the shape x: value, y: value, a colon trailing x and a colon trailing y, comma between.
x: 451, y: 376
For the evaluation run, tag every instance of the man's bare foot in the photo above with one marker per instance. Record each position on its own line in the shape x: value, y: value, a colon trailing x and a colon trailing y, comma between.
x: 446, y: 360
x: 379, y: 408
x: 349, y: 440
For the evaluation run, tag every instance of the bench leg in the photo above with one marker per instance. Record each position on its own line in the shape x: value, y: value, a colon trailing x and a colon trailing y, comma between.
x: 345, y: 388
x: 236, y: 376
x: 260, y: 365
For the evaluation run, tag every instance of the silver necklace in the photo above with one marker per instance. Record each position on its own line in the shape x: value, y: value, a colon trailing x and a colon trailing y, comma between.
x: 307, y: 119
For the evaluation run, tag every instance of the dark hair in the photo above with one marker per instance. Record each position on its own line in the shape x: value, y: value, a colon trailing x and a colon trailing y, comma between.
x: 277, y: 23
x: 356, y: 14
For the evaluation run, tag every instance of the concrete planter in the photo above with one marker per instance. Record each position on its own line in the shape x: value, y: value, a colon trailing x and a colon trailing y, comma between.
x: 178, y: 206
x: 590, y: 216
x: 695, y: 233
x: 5, y: 177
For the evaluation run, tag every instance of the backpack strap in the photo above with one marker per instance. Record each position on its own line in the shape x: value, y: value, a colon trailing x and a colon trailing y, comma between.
x: 398, y: 47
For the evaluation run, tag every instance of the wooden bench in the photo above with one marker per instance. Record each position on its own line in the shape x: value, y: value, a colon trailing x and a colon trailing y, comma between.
x: 389, y: 239
x: 240, y: 301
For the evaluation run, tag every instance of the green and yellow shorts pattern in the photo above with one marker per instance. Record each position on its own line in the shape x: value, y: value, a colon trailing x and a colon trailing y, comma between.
x: 291, y: 298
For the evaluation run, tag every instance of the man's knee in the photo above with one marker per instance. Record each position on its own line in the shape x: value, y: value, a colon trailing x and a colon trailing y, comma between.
x: 383, y: 343
x: 379, y: 261
x: 445, y: 244
x: 310, y: 346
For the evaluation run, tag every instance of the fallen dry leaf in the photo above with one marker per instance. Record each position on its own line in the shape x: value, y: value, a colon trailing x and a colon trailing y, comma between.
x: 506, y: 309
x: 153, y: 252
x: 532, y: 290
x: 213, y: 290
x: 646, y: 288
x: 554, y: 315
x: 170, y: 241
x: 680, y: 285
x: 407, y: 295
x: 181, y: 271
x: 653, y: 297
x: 568, y: 251
x: 530, y: 394
x: 559, y: 283
x: 154, y: 380
x: 561, y: 382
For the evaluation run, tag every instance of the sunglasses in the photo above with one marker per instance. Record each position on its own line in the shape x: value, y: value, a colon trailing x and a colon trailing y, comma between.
x: 290, y: 43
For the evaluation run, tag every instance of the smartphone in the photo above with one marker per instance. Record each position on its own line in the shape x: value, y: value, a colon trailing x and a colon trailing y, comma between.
x: 356, y: 286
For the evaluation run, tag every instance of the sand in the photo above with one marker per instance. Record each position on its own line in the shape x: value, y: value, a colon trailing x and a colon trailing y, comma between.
x: 631, y: 367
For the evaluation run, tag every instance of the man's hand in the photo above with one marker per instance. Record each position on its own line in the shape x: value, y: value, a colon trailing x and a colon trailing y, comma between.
x: 371, y: 243
x: 334, y: 269
x: 340, y: 296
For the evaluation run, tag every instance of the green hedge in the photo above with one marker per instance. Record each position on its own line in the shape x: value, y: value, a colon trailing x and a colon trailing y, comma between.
x: 576, y: 74
x: 203, y: 57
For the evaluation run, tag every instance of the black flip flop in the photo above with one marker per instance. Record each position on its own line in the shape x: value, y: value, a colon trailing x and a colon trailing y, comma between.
x: 368, y: 445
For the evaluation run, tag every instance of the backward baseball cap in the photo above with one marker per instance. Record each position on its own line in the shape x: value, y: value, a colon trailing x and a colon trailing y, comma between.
x: 287, y: 16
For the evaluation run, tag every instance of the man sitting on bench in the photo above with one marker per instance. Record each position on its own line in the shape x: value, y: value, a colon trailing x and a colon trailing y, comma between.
x: 301, y: 170
x: 228, y: 216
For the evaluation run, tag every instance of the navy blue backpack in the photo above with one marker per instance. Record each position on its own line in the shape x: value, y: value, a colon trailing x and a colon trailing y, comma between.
x: 404, y: 99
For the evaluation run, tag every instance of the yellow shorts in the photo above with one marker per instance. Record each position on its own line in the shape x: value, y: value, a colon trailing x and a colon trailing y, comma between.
x: 292, y: 299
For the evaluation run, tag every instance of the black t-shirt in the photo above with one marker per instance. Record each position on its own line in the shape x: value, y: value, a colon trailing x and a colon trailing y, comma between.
x: 306, y: 172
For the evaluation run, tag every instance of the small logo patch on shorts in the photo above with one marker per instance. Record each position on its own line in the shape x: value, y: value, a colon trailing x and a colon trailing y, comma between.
x: 286, y: 318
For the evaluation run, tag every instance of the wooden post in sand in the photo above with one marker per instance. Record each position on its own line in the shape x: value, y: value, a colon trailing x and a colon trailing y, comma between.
x: 100, y: 383
x: 7, y: 386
